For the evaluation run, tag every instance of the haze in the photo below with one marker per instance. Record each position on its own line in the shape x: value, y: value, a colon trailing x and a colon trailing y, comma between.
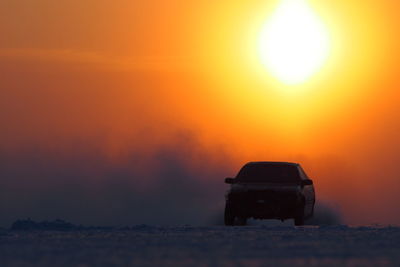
x: 108, y: 109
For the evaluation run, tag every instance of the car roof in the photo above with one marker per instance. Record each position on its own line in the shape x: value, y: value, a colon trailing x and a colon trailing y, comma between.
x: 272, y: 163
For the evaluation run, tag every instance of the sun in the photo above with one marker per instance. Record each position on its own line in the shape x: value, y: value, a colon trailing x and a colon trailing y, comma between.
x: 294, y: 43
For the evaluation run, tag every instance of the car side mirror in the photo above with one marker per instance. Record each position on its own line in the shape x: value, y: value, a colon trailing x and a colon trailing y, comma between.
x: 229, y: 180
x: 307, y: 182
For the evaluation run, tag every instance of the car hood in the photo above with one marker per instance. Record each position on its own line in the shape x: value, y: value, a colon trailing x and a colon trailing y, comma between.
x: 281, y: 187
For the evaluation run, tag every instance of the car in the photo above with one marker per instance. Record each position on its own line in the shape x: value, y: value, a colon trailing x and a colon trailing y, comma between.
x: 269, y: 190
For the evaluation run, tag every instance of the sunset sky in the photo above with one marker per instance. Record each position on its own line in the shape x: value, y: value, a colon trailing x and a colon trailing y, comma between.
x: 100, y: 96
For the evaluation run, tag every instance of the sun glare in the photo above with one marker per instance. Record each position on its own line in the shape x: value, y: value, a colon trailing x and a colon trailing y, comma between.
x: 294, y: 43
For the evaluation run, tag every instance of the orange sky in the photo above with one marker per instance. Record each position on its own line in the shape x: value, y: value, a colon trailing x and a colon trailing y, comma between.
x: 133, y: 73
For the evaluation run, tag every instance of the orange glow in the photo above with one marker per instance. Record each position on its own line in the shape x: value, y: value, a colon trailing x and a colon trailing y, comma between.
x: 135, y: 72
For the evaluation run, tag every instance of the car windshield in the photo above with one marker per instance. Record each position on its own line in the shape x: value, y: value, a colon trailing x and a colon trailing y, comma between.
x: 268, y: 173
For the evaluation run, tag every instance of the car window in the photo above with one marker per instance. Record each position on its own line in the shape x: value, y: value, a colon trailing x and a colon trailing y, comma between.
x: 268, y: 173
x: 303, y: 175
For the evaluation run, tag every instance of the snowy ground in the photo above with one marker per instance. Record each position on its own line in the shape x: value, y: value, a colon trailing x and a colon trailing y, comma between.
x: 204, y: 246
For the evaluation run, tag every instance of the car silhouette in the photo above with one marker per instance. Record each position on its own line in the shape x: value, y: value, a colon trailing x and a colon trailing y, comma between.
x: 269, y: 190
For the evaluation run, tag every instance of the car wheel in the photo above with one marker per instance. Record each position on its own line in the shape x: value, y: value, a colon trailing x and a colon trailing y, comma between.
x: 229, y: 216
x: 299, y: 220
x: 242, y: 221
x: 299, y: 217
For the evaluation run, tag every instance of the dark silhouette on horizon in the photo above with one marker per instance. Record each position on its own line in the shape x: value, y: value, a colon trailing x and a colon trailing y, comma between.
x: 270, y: 190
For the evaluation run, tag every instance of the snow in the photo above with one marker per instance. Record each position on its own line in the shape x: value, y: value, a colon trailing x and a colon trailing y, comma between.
x: 260, y: 245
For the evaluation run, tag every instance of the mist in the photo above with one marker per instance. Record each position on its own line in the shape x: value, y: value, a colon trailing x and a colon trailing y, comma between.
x: 113, y: 147
x: 175, y: 185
